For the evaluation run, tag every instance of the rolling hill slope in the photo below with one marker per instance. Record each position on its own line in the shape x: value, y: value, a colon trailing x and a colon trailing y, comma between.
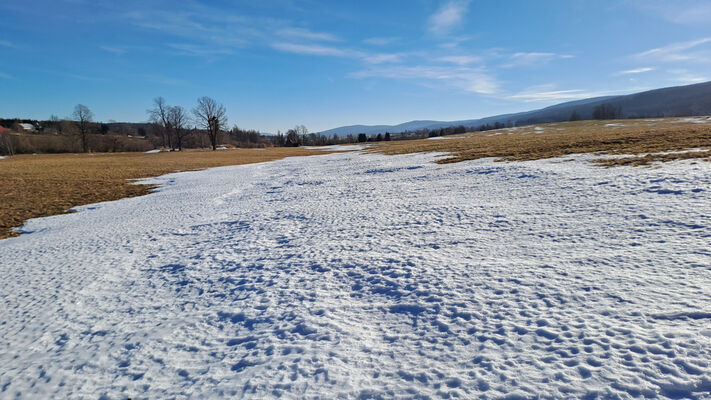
x: 667, y: 102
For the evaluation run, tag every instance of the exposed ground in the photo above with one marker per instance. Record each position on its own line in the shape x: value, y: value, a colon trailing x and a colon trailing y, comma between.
x: 635, y: 142
x: 49, y: 184
x: 354, y: 276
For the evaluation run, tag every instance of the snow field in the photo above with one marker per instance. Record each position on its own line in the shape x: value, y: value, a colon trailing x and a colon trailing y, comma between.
x: 369, y: 276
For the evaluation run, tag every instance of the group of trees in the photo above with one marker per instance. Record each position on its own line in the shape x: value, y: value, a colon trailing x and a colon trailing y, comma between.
x: 172, y: 122
x: 607, y: 111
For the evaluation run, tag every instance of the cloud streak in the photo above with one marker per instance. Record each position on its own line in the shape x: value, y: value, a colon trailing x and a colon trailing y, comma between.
x: 448, y: 17
x: 473, y: 80
x: 636, y: 71
x: 680, y: 52
x: 547, y: 93
x: 521, y: 59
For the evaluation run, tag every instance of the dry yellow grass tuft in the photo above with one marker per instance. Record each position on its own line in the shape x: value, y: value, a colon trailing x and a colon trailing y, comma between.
x: 647, y: 140
x: 49, y: 184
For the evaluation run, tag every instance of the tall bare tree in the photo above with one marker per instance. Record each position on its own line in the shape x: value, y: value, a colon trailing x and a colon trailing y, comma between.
x: 178, y: 120
x: 210, y: 116
x: 83, y: 117
x: 159, y: 116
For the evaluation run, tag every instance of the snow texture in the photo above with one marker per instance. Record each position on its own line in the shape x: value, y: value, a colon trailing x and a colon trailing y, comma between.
x: 367, y: 276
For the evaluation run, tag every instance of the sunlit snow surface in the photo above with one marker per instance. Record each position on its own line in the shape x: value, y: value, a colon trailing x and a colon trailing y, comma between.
x: 367, y: 276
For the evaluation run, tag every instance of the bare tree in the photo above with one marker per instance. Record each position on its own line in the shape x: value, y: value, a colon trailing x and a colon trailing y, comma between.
x: 159, y: 116
x: 83, y: 118
x: 292, y: 138
x: 55, y: 124
x: 178, y: 120
x: 210, y: 116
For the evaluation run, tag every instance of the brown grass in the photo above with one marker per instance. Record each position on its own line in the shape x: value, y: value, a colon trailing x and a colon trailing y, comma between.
x: 49, y: 184
x: 642, y: 138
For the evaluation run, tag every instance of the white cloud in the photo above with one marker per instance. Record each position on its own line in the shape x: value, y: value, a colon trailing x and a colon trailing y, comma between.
x: 115, y: 50
x: 5, y: 43
x: 5, y: 76
x: 548, y: 93
x: 533, y: 58
x: 683, y: 12
x: 320, y: 50
x: 314, y: 49
x: 635, y: 71
x: 463, y: 78
x: 448, y: 16
x: 380, y: 41
x: 382, y: 58
x: 186, y: 49
x: 685, y: 77
x: 462, y: 60
x: 683, y: 51
x: 305, y: 34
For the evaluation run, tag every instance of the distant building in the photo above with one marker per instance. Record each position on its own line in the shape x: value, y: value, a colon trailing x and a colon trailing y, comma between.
x: 3, y: 129
x: 23, y: 127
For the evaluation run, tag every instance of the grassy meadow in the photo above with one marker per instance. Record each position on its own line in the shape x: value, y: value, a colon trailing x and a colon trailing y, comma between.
x: 637, y: 142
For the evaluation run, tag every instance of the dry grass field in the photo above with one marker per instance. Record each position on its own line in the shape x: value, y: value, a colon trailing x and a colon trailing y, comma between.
x: 635, y: 142
x: 49, y: 184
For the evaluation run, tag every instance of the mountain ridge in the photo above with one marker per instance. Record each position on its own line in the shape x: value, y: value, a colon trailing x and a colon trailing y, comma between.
x: 674, y: 101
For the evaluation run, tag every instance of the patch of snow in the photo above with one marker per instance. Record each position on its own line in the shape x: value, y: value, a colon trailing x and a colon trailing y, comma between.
x: 220, y: 148
x: 615, y: 124
x: 1, y: 157
x: 365, y: 276
x: 696, y: 120
x: 338, y: 147
x: 153, y: 151
x: 442, y: 137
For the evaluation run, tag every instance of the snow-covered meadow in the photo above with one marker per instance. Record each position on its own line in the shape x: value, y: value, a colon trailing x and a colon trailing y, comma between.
x: 368, y: 276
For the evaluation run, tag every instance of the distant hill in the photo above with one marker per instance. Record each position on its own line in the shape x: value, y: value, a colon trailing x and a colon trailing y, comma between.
x: 675, y: 101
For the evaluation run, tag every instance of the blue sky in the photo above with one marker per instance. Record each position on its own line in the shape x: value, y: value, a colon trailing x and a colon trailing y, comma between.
x: 323, y: 64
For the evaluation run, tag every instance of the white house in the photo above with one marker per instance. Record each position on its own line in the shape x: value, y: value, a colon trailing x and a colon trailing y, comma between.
x: 26, y: 127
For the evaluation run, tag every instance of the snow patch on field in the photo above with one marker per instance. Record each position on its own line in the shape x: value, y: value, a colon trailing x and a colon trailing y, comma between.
x: 444, y: 137
x: 152, y: 151
x: 338, y: 147
x: 696, y: 120
x: 367, y: 276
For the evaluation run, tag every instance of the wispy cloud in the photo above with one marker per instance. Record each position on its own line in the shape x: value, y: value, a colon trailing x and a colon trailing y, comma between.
x: 330, y: 51
x: 548, y: 93
x: 115, y: 50
x: 5, y: 43
x: 187, y: 49
x: 448, y: 17
x: 380, y: 41
x: 5, y: 76
x: 305, y: 34
x: 635, y: 71
x: 314, y: 49
x: 690, y: 51
x: 533, y: 58
x: 164, y: 80
x: 685, y: 77
x: 693, y: 14
x: 474, y: 80
x: 683, y: 12
x: 462, y: 60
